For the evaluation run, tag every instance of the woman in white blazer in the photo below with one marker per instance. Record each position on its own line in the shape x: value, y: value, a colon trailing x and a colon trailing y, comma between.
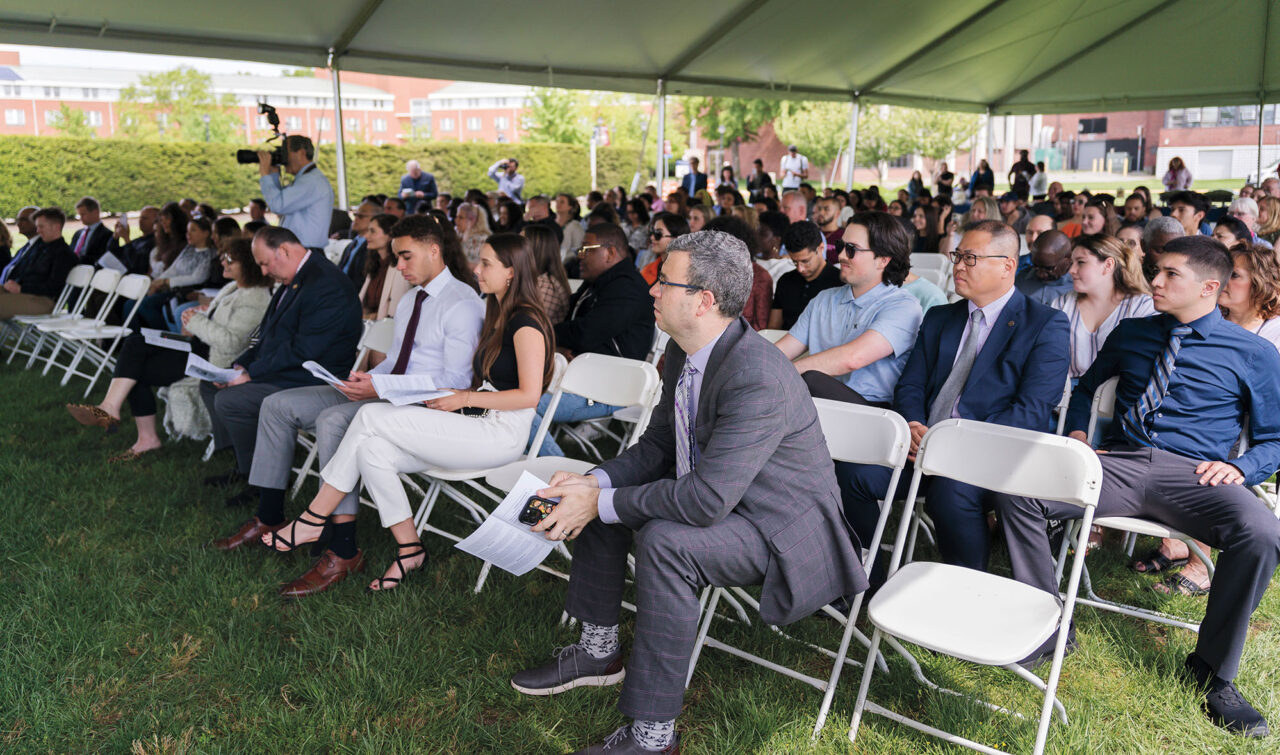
x: 221, y: 334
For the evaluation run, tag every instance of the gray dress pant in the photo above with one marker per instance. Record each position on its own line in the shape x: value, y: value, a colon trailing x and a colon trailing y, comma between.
x: 673, y: 563
x: 319, y: 409
x: 1162, y: 486
x: 234, y: 414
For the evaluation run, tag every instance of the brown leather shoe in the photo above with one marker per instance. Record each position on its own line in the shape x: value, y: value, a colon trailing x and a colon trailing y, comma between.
x: 327, y: 571
x: 249, y: 532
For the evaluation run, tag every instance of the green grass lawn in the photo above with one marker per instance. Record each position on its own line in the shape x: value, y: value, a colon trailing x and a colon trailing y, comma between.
x: 123, y: 632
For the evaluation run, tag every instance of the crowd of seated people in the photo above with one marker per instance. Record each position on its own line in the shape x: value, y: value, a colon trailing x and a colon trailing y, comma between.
x: 1067, y: 291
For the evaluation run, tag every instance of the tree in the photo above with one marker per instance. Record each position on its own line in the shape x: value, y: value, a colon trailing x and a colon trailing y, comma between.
x: 934, y: 134
x: 740, y: 117
x: 821, y: 129
x: 173, y: 105
x: 555, y: 116
x: 73, y: 122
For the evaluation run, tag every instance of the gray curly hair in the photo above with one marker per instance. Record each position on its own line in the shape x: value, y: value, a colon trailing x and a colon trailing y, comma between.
x: 719, y: 263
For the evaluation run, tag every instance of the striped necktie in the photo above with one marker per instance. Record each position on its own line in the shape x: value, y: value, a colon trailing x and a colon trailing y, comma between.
x: 1135, y: 420
x: 686, y: 448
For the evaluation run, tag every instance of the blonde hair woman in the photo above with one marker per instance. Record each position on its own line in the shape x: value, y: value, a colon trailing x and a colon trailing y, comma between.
x: 473, y: 228
x: 1269, y: 219
x: 1108, y: 286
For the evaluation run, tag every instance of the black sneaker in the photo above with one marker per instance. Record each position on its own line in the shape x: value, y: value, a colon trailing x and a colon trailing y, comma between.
x: 572, y: 667
x: 224, y: 480
x: 1223, y: 703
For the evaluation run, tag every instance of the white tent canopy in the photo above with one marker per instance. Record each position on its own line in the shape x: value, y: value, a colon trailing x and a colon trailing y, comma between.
x: 1012, y: 56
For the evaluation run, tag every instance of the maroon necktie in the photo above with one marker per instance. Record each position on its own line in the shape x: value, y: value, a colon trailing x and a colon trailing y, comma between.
x: 406, y: 346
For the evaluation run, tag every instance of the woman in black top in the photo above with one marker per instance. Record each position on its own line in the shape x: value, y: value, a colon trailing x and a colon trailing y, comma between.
x: 482, y: 426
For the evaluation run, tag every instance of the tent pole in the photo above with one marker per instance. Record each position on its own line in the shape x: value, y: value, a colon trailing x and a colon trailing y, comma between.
x: 991, y: 138
x: 852, y: 153
x: 1258, y: 180
x: 660, y: 170
x: 337, y: 113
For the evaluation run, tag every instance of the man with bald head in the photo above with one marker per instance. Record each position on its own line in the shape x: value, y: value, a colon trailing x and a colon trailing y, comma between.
x: 136, y: 254
x: 1047, y: 277
x: 417, y: 186
x: 998, y: 357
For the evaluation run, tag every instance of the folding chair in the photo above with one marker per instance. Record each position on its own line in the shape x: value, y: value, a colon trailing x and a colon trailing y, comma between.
x: 52, y: 331
x: 574, y: 285
x: 378, y: 336
x: 857, y: 434
x: 585, y: 432
x: 1104, y: 399
x: 976, y: 616
x: 773, y: 335
x: 130, y: 287
x: 1063, y: 404
x: 20, y: 326
x: 934, y: 267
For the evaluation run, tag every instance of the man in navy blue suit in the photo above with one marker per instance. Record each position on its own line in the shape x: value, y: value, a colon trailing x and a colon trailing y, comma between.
x: 995, y: 357
x: 314, y: 315
x: 693, y: 181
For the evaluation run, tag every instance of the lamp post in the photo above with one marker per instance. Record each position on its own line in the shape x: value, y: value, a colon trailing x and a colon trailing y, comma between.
x: 205, y: 118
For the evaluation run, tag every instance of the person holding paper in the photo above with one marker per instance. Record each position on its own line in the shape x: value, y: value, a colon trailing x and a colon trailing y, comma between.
x: 314, y: 315
x: 437, y: 329
x: 754, y: 500
x: 223, y: 333
x: 477, y: 428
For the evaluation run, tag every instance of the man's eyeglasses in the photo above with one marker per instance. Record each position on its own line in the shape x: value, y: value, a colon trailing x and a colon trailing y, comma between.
x: 686, y: 286
x: 970, y: 259
x: 1046, y: 269
x: 849, y: 249
x: 582, y: 251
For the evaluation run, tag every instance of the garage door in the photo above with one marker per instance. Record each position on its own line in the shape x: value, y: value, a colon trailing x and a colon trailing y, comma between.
x: 1214, y: 163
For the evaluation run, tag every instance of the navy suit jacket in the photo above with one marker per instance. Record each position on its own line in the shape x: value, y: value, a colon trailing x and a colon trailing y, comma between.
x: 694, y: 182
x: 96, y: 246
x: 1017, y: 378
x: 316, y: 317
x: 42, y: 271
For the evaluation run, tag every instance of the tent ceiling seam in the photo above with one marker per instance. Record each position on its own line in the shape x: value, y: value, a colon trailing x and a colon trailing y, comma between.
x: 909, y: 59
x: 736, y: 18
x: 355, y: 26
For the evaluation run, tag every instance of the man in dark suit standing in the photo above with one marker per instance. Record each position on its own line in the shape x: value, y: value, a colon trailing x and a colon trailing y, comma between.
x: 34, y: 280
x: 753, y: 501
x: 90, y: 242
x: 313, y: 316
x: 995, y: 357
x: 694, y: 181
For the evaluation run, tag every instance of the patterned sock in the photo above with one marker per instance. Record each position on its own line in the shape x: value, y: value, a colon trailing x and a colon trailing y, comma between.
x: 654, y: 735
x: 599, y: 642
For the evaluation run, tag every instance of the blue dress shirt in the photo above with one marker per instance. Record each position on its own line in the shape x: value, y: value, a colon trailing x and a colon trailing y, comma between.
x: 512, y: 186
x: 1221, y: 373
x: 835, y: 317
x: 306, y: 204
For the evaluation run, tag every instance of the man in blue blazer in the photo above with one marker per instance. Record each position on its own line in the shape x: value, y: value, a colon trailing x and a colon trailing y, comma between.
x: 995, y: 357
x: 693, y: 181
x: 314, y: 315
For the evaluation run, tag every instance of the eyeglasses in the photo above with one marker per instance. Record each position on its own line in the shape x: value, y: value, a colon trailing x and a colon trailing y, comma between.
x: 1046, y: 269
x: 364, y: 214
x: 849, y: 249
x: 659, y: 234
x: 582, y: 251
x: 970, y: 259
x: 227, y: 258
x: 686, y: 286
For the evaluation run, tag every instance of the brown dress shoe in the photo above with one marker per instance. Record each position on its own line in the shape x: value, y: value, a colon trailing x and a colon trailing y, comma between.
x: 249, y: 532
x: 327, y: 571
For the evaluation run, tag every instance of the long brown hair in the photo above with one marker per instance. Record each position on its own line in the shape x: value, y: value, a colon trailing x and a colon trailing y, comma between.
x: 513, y: 251
x: 546, y: 255
x: 376, y: 259
x: 1264, y: 277
x: 168, y: 245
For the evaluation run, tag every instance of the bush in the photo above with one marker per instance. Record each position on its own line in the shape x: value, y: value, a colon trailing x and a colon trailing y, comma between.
x: 125, y: 175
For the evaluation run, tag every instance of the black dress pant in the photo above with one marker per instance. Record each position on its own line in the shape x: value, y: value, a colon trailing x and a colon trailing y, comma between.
x: 822, y: 385
x: 152, y: 367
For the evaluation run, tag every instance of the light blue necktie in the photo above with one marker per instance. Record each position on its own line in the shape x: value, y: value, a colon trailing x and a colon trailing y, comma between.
x: 1135, y: 420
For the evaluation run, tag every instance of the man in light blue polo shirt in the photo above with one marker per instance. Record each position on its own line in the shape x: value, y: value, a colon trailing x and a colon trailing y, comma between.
x: 859, y: 335
x: 306, y: 205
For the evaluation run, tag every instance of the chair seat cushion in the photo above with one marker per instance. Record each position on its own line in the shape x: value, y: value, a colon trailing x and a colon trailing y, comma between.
x: 504, y: 478
x: 1140, y: 526
x: 978, y: 617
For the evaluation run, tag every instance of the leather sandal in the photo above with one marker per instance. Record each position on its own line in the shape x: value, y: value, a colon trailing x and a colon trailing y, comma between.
x: 1177, y: 584
x: 278, y: 537
x: 1155, y: 561
x: 390, y: 583
x: 92, y: 416
x: 126, y: 456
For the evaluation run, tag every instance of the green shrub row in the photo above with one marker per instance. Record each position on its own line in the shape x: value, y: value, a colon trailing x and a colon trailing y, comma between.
x: 126, y: 175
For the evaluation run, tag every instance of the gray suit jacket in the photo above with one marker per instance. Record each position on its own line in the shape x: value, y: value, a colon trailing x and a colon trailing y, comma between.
x: 761, y: 456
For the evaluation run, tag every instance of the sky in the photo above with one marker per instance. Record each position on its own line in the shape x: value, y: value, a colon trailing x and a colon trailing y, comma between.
x: 63, y: 56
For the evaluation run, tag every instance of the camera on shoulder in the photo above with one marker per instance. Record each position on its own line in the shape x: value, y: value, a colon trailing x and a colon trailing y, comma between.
x: 278, y: 156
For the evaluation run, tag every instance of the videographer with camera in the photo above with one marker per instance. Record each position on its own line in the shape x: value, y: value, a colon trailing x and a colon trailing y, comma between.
x: 510, y: 182
x: 306, y: 205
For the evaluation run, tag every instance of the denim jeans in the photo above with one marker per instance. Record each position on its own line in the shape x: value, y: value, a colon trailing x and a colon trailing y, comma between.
x: 572, y: 408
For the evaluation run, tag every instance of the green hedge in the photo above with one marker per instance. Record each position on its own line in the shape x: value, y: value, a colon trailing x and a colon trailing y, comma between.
x: 125, y: 175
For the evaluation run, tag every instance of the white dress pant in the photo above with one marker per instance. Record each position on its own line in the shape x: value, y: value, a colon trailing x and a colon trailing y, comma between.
x: 385, y: 440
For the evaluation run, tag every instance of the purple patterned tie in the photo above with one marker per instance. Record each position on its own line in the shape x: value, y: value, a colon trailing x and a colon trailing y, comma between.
x: 685, y: 447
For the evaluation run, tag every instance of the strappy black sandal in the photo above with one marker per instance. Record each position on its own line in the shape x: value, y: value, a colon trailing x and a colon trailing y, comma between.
x: 1155, y: 562
x: 287, y: 540
x: 1177, y: 584
x: 390, y: 583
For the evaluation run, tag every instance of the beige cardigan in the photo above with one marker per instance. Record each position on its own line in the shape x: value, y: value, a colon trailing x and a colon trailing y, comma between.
x: 393, y: 287
x: 236, y: 312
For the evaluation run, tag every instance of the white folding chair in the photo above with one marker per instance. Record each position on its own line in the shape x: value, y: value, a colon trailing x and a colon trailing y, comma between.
x: 87, y: 339
x: 934, y: 267
x: 857, y: 434
x: 52, y: 331
x: 773, y: 335
x: 378, y: 336
x: 584, y: 433
x: 1104, y: 399
x: 1063, y: 405
x: 22, y: 326
x: 976, y: 616
x: 574, y: 285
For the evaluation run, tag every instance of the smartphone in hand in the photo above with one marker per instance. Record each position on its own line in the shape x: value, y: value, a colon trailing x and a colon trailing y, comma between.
x: 535, y: 510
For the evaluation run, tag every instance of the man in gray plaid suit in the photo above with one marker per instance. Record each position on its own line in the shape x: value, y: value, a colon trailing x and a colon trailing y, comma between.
x: 753, y: 500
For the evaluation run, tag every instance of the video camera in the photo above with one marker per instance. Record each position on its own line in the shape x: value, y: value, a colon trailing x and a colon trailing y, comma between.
x: 278, y: 156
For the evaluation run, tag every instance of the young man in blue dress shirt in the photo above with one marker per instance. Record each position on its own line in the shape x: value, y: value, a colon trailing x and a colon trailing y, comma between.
x: 1188, y: 379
